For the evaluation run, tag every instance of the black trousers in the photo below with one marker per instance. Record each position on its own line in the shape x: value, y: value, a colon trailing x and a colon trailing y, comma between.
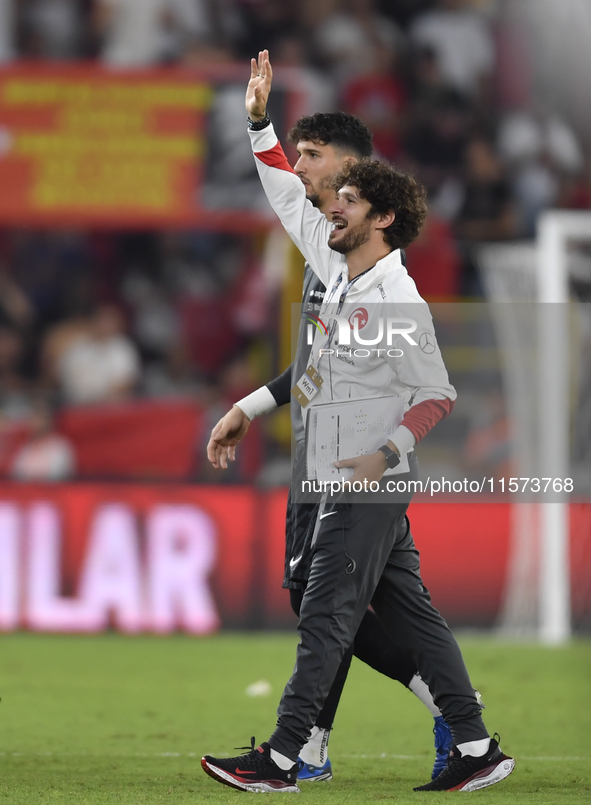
x: 363, y: 553
x: 374, y: 646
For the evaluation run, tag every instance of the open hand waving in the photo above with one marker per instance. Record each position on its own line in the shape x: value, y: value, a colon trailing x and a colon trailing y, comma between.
x: 259, y: 86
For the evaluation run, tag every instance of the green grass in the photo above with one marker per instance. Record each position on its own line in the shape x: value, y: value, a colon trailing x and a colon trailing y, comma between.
x: 114, y: 719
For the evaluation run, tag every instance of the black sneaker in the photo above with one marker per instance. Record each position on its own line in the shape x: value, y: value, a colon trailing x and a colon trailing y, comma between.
x: 253, y: 771
x: 471, y: 773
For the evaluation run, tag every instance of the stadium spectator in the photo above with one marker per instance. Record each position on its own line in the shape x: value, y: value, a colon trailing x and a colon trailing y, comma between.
x: 379, y: 99
x: 7, y: 30
x: 198, y: 53
x: 404, y: 11
x: 142, y: 32
x: 355, y: 39
x: 187, y: 26
x: 488, y: 210
x: 60, y: 336
x: 15, y: 388
x: 263, y: 21
x: 434, y: 261
x: 154, y: 325
x: 544, y: 156
x: 436, y: 138
x: 461, y: 38
x: 319, y: 90
x: 428, y: 83
x: 52, y: 29
x: 131, y: 30
x: 15, y: 307
x: 102, y: 365
x: 48, y: 266
x: 173, y: 376
x: 47, y: 455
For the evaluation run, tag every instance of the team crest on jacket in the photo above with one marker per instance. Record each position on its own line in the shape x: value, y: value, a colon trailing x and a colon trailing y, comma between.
x: 360, y: 315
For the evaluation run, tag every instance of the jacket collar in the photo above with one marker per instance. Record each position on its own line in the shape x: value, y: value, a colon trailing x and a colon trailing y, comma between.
x: 391, y: 262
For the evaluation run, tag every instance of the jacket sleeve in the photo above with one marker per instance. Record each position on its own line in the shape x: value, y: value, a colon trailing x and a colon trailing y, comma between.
x: 421, y: 370
x: 305, y: 225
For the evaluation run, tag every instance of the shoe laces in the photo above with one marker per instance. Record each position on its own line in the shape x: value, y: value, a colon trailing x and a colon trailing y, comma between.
x: 248, y: 749
x: 251, y: 751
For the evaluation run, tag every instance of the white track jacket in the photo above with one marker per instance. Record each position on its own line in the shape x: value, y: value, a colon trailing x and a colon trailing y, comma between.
x: 378, y: 366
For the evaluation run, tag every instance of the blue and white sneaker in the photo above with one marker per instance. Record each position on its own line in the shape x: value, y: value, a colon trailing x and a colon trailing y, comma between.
x: 443, y: 744
x: 309, y: 773
x: 315, y: 751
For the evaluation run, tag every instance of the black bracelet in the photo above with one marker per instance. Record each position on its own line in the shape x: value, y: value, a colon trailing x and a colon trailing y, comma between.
x: 258, y: 125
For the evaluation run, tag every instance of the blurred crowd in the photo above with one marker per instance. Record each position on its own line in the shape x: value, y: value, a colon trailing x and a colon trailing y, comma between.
x: 91, y: 317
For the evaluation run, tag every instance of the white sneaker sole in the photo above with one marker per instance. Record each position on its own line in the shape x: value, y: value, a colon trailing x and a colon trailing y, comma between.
x: 256, y: 788
x: 321, y: 778
x: 495, y: 775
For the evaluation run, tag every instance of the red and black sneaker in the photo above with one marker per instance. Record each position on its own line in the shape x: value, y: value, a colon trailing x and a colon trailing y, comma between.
x: 254, y: 771
x: 471, y: 773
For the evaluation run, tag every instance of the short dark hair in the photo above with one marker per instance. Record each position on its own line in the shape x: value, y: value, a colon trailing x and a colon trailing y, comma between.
x: 388, y: 190
x: 339, y: 129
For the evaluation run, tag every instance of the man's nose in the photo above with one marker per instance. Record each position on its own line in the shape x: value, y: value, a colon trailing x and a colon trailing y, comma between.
x: 298, y: 167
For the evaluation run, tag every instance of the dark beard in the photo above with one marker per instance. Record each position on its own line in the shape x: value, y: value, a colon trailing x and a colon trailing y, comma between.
x: 353, y: 239
x: 314, y: 196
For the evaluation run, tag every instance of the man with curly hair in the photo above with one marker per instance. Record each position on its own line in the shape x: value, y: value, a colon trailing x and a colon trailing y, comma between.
x: 363, y: 551
x: 325, y: 142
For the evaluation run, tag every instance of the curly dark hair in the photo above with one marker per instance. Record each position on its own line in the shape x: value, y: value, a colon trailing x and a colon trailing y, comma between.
x: 388, y: 189
x: 339, y: 129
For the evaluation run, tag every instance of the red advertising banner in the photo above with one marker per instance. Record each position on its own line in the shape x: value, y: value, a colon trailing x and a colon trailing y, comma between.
x: 86, y: 557
x: 134, y: 440
x: 141, y: 558
x: 85, y: 145
x: 140, y: 439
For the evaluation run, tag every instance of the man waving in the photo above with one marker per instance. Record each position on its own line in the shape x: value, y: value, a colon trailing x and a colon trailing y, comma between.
x: 363, y: 551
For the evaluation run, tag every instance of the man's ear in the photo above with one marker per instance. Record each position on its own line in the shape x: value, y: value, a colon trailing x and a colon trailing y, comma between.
x: 349, y: 160
x: 385, y: 219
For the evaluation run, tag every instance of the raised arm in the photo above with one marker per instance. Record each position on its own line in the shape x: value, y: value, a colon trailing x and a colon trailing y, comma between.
x: 306, y: 226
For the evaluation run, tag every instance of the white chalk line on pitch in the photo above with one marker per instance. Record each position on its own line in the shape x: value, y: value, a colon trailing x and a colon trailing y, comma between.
x: 420, y: 757
x: 382, y: 756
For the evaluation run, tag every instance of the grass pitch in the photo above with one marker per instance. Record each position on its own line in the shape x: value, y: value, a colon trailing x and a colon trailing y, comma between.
x: 112, y: 719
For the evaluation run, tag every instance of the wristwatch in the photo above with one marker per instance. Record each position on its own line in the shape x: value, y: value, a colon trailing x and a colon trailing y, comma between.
x: 391, y: 456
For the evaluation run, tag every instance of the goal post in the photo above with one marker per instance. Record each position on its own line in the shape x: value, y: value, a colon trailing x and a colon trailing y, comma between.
x: 534, y: 307
x: 555, y: 229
